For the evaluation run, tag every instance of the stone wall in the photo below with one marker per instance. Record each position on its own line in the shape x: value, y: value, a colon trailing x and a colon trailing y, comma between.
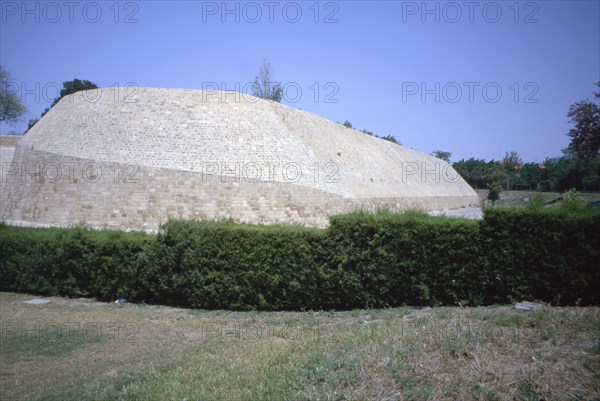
x: 150, y: 154
x: 7, y: 149
x: 6, y: 155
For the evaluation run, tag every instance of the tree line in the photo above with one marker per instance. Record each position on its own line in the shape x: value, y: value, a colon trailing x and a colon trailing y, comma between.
x: 578, y: 167
x: 555, y: 174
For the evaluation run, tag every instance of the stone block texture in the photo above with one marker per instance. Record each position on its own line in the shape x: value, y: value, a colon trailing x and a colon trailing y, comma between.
x: 135, y: 157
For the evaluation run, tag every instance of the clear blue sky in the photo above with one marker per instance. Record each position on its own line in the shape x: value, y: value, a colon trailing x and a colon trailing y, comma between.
x: 426, y: 72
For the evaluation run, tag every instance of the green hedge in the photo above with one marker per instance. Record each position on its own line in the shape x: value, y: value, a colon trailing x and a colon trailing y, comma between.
x: 235, y: 266
x: 75, y: 262
x: 548, y: 254
x: 361, y: 260
x: 411, y: 258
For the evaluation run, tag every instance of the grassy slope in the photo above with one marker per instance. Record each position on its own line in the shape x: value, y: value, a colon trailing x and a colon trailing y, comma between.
x: 78, y: 349
x: 516, y: 198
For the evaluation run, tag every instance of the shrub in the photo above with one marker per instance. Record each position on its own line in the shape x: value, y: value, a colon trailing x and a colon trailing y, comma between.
x: 572, y: 201
x: 405, y: 259
x: 545, y: 254
x: 494, y: 192
x: 71, y: 262
x: 361, y: 260
x: 237, y: 266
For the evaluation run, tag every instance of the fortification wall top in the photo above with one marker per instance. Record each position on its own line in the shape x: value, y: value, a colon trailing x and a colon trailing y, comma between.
x: 233, y: 134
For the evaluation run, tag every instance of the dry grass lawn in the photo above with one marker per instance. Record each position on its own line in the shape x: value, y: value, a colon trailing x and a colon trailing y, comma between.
x: 77, y: 349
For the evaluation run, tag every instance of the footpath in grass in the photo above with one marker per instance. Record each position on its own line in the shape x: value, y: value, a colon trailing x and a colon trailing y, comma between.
x: 86, y: 350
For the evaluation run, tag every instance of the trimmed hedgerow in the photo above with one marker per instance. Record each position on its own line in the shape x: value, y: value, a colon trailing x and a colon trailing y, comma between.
x: 71, y: 262
x: 411, y: 258
x: 361, y: 260
x: 546, y: 254
x: 236, y: 266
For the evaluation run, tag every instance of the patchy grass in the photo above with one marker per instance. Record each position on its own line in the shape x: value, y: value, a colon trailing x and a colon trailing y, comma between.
x: 517, y: 198
x: 79, y: 349
x: 51, y: 341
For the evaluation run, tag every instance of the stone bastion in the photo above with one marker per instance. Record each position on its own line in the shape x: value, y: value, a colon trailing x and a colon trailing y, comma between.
x: 134, y: 157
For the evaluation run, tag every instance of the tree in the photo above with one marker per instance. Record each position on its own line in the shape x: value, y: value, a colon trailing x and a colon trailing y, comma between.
x: 585, y: 137
x: 580, y: 172
x: 31, y: 123
x: 494, y: 192
x: 73, y: 86
x: 264, y: 86
x: 531, y: 174
x: 511, y: 163
x: 70, y: 87
x: 390, y: 138
x: 555, y: 175
x: 495, y: 175
x: 11, y: 107
x: 347, y: 124
x: 440, y: 154
x: 512, y: 160
x: 474, y: 171
x: 591, y: 177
